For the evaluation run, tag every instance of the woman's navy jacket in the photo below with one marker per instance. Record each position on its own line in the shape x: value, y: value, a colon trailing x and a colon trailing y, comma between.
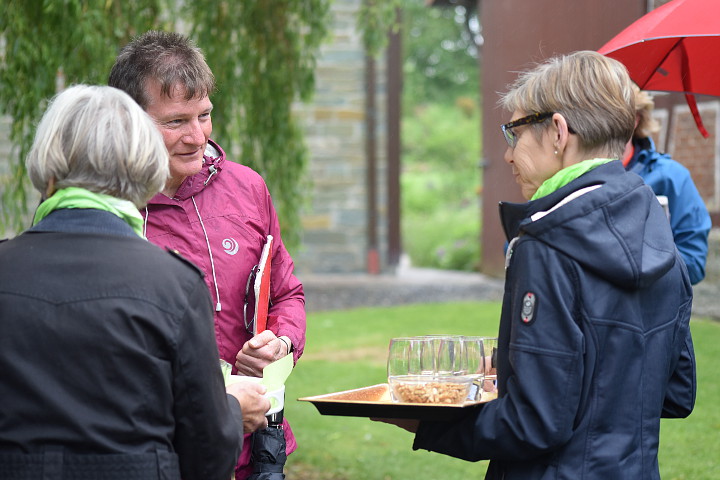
x: 594, y: 340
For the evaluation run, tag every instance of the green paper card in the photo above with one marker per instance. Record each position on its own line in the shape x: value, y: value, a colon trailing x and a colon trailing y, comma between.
x: 275, y: 374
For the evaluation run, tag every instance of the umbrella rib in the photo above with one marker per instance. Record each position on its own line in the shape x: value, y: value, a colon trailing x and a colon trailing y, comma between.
x: 667, y: 54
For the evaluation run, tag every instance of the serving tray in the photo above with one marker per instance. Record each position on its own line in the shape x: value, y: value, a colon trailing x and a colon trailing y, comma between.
x: 375, y: 402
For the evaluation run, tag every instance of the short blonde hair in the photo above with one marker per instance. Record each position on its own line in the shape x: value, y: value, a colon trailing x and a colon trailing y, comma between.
x: 593, y: 92
x: 644, y: 105
x: 98, y: 138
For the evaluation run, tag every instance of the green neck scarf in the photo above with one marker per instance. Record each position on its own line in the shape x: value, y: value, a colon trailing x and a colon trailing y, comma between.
x: 567, y: 175
x: 74, y: 197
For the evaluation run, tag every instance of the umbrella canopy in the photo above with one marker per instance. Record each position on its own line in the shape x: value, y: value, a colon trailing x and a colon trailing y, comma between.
x: 673, y: 48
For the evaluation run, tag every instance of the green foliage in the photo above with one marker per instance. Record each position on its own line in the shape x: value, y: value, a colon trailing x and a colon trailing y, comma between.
x: 375, y: 19
x: 347, y: 349
x: 441, y: 139
x: 263, y: 56
x: 442, y: 135
x: 440, y: 186
x: 440, y: 59
x: 444, y: 239
x: 262, y: 53
x: 49, y: 43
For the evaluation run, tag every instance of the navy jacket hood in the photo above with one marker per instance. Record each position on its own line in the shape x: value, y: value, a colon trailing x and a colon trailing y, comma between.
x: 647, y: 252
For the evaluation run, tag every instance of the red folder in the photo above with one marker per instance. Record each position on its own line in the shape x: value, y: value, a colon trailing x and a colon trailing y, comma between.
x: 262, y: 287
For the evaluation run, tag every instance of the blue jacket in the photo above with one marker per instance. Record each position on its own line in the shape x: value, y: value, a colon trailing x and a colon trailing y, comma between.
x: 594, y: 340
x: 689, y: 218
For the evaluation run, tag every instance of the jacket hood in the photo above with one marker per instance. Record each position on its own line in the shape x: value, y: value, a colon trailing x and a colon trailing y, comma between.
x: 213, y: 161
x: 616, y: 230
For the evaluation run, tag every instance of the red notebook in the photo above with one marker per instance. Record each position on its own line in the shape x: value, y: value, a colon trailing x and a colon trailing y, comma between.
x: 262, y: 287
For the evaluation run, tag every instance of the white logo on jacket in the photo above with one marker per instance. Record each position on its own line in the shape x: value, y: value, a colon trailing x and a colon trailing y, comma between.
x: 230, y: 246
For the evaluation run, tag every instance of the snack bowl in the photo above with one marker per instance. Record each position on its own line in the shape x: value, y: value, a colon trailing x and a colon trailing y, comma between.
x: 449, y: 390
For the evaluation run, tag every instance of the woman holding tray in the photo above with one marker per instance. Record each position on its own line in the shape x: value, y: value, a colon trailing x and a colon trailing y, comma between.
x: 594, y: 339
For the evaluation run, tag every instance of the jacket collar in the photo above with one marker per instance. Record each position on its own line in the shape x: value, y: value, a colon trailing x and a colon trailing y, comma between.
x: 643, y: 148
x: 84, y: 220
x: 514, y: 215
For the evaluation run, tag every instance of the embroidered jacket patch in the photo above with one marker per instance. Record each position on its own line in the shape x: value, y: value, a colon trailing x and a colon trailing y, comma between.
x: 527, y: 314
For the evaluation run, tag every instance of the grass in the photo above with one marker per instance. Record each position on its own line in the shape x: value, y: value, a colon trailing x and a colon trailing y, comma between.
x: 347, y: 349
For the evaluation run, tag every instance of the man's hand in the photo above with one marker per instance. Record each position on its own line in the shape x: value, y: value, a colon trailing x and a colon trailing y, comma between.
x: 258, y: 352
x: 252, y: 403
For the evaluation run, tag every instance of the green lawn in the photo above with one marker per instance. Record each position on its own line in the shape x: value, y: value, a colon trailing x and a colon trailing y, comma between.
x: 347, y: 349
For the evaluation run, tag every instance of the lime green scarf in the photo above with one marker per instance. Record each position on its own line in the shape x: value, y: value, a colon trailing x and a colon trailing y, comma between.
x: 73, y: 197
x: 567, y: 175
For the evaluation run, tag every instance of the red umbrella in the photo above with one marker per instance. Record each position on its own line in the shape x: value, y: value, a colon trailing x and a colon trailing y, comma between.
x: 673, y: 48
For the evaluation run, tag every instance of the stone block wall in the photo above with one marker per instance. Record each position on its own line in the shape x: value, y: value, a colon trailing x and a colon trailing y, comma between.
x: 335, y: 218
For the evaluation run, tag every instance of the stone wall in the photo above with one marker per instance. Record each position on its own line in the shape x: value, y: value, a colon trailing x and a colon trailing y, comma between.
x: 335, y: 220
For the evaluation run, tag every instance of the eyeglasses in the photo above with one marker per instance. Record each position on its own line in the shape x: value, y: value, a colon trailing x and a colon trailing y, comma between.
x: 508, y: 133
x: 249, y: 323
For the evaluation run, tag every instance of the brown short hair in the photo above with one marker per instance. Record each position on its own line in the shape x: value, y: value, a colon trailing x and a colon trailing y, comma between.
x: 170, y: 58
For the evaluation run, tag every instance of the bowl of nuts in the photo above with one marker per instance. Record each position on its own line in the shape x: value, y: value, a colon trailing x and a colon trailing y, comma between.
x: 448, y: 390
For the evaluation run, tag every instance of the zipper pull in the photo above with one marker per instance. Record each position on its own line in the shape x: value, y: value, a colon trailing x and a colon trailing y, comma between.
x: 509, y: 253
x: 213, y: 171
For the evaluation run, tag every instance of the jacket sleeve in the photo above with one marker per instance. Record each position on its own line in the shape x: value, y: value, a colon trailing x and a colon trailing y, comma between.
x: 680, y: 395
x: 689, y: 218
x: 540, y: 390
x: 286, y: 315
x: 208, y: 435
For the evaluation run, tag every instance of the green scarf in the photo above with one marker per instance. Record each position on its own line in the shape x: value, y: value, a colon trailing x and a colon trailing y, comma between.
x: 567, y: 175
x: 74, y: 197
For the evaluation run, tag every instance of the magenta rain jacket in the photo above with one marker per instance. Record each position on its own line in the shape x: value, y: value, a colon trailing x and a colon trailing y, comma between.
x: 219, y: 219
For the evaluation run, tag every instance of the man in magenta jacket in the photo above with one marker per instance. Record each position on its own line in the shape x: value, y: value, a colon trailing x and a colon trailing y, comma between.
x: 214, y: 212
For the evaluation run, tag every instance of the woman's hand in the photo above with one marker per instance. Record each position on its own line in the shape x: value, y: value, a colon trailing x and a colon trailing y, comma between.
x: 406, y: 424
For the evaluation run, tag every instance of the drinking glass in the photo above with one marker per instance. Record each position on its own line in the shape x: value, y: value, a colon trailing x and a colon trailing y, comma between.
x: 473, y: 352
x: 489, y: 389
x: 450, y: 355
x: 410, y: 356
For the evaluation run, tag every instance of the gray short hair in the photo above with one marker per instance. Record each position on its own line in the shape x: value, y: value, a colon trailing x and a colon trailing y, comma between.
x: 99, y: 139
x: 593, y: 92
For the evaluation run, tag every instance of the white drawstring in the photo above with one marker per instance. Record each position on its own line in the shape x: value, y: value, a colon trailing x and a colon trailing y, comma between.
x: 145, y: 223
x: 212, y: 263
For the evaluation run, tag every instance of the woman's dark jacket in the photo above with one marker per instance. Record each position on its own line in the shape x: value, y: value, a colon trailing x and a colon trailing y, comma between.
x: 594, y: 340
x: 108, y: 358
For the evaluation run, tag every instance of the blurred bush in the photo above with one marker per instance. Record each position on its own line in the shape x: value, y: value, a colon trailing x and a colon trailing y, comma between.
x: 441, y: 185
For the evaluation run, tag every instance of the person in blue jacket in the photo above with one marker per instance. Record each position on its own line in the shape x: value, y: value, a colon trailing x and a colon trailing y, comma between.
x: 594, y: 344
x: 689, y: 217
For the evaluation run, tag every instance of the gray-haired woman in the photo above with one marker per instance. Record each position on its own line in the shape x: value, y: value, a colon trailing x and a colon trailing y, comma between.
x: 110, y: 367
